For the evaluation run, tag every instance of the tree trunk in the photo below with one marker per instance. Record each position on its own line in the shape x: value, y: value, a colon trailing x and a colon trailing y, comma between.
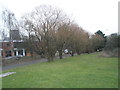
x: 78, y: 52
x: 60, y: 54
x: 49, y: 58
x: 72, y: 53
x: 31, y: 54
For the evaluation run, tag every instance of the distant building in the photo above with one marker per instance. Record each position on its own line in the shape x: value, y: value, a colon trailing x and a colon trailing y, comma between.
x: 12, y: 46
x: 114, y: 34
x: 7, y: 49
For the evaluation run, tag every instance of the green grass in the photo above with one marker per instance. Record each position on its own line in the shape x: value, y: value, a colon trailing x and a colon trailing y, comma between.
x: 84, y: 71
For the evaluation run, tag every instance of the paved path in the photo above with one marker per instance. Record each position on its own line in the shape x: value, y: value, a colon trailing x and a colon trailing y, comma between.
x: 27, y: 63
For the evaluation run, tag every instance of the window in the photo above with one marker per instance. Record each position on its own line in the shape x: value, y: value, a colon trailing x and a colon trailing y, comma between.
x: 8, y: 44
x: 20, y: 52
x: 8, y: 53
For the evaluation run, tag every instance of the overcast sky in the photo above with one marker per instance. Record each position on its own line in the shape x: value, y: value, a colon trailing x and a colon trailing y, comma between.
x: 91, y: 15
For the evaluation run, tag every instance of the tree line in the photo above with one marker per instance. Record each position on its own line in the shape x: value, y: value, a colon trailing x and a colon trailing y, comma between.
x: 47, y: 30
x: 50, y: 30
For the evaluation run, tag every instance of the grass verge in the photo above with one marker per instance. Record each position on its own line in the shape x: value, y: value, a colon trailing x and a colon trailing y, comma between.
x: 83, y: 71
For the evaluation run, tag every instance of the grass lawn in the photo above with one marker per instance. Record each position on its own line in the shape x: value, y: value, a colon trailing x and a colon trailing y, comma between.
x: 84, y: 71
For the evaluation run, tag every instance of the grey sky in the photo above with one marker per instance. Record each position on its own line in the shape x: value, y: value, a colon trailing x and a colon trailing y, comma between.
x: 92, y: 15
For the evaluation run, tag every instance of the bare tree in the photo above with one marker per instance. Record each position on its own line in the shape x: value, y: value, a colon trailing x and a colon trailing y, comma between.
x: 61, y: 38
x: 28, y: 34
x: 71, y: 38
x: 9, y: 20
x: 81, y: 40
x: 46, y: 20
x: 3, y: 34
x: 9, y: 23
x: 77, y: 40
x: 97, y: 42
x: 54, y: 31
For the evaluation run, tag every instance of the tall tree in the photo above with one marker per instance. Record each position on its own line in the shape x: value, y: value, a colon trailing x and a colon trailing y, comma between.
x: 46, y: 20
x: 97, y: 42
x: 100, y: 33
x: 112, y: 42
x: 61, y: 38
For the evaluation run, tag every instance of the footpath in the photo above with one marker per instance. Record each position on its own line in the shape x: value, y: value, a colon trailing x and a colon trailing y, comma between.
x: 11, y: 66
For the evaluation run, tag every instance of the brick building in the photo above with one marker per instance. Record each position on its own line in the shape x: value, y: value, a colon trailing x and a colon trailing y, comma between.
x: 12, y: 46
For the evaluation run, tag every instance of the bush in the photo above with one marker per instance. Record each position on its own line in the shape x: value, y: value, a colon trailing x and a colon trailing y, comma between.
x: 112, y: 46
x: 110, y: 53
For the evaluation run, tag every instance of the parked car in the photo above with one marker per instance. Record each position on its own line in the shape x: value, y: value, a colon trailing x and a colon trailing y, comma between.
x: 66, y: 51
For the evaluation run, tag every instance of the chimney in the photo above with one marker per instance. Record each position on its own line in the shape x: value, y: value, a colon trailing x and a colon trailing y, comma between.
x: 14, y: 35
